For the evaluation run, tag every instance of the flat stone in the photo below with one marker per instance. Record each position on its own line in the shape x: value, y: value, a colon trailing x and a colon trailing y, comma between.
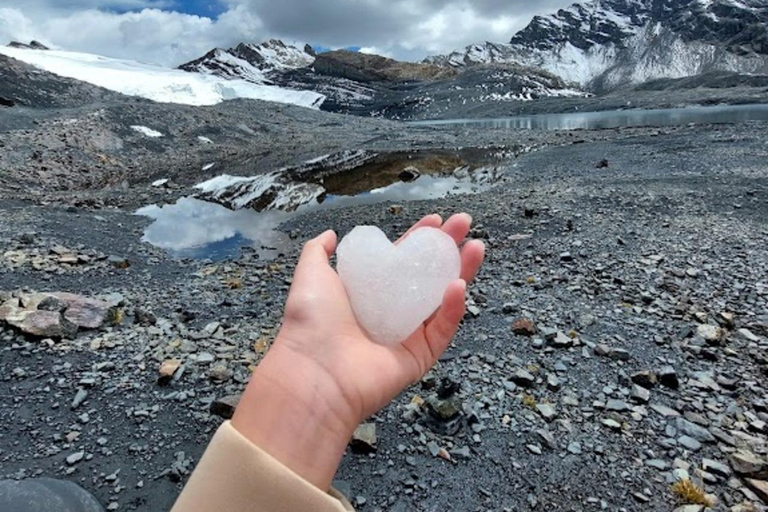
x: 523, y: 378
x: 547, y: 411
x: 75, y: 458
x: 364, y: 439
x: 44, y: 324
x: 640, y: 394
x: 715, y: 467
x: 612, y: 424
x: 617, y: 405
x: 695, y: 431
x: 574, y: 448
x: 84, y: 312
x: 689, y: 443
x: 746, y: 463
x: 659, y: 464
x: 534, y: 449
x: 759, y: 487
x: 747, y: 335
x: 225, y: 406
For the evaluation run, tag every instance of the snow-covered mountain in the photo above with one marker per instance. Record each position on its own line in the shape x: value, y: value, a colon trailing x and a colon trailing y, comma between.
x: 252, y: 62
x: 154, y: 82
x: 603, y: 44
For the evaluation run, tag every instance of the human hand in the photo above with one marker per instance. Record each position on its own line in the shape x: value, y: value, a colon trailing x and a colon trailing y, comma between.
x: 324, y: 375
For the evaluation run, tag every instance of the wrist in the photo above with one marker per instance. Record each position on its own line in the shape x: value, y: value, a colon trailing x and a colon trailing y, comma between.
x: 287, y: 412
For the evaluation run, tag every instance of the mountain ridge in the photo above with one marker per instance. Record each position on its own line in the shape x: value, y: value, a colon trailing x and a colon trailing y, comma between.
x: 605, y: 44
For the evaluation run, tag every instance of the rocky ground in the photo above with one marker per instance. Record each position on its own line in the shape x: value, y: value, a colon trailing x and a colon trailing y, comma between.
x: 615, y: 342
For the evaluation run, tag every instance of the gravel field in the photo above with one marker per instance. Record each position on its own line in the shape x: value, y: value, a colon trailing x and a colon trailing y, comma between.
x: 615, y: 341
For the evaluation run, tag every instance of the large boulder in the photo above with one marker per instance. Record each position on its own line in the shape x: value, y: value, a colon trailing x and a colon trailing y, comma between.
x: 54, y: 315
x: 46, y: 495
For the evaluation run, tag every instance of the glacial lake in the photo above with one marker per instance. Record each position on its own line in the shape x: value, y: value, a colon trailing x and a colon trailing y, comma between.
x: 616, y: 118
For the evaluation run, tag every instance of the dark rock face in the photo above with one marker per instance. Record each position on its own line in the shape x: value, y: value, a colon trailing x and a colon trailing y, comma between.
x: 34, y: 45
x: 741, y: 28
x: 373, y: 68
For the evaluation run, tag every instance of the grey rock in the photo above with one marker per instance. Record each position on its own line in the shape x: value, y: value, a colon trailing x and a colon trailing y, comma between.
x: 523, y: 378
x: 640, y: 394
x: 547, y: 411
x: 79, y: 398
x: 75, y: 458
x: 45, y: 494
x: 617, y: 405
x: 364, y: 439
x: 689, y: 443
x: 715, y: 467
x: 695, y: 431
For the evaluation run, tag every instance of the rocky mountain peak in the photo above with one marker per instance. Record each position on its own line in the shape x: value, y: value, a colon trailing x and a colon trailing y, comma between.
x: 604, y: 44
x: 252, y: 62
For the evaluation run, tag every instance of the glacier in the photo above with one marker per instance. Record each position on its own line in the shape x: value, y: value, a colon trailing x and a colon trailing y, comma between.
x: 156, y: 83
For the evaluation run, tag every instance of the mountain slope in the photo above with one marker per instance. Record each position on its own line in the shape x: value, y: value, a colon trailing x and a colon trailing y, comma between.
x: 604, y: 44
x: 154, y: 82
x: 371, y: 85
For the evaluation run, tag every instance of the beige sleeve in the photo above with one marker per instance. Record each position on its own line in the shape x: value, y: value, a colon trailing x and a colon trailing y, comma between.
x: 234, y: 475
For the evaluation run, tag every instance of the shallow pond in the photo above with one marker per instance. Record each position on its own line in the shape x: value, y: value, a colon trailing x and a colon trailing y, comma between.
x: 191, y: 228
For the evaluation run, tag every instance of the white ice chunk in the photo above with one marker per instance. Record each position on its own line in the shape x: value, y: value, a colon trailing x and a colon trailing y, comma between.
x: 394, y: 289
x: 149, y: 132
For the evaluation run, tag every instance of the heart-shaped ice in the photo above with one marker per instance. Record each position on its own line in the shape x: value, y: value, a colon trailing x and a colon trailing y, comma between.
x: 393, y: 289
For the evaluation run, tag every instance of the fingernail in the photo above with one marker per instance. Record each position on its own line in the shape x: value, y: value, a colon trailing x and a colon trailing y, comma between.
x: 469, y: 217
x: 463, y: 284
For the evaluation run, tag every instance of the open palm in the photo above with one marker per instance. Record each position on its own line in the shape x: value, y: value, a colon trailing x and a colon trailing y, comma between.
x: 320, y: 328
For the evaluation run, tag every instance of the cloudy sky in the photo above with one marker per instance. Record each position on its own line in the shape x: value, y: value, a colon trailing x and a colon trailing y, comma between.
x: 170, y: 32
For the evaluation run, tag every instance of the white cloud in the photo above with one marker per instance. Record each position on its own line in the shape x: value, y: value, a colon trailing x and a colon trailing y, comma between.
x: 150, y: 32
x: 150, y: 35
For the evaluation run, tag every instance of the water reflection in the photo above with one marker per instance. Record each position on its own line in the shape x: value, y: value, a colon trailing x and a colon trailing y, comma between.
x: 191, y: 228
x: 618, y: 118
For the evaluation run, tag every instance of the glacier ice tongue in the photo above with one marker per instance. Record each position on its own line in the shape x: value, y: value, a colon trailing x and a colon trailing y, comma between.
x: 394, y: 289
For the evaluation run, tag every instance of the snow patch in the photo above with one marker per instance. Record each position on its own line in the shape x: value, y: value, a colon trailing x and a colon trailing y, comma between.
x: 148, y: 132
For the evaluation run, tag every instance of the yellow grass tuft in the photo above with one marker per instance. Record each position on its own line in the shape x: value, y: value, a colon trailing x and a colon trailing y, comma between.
x: 116, y: 316
x: 529, y: 400
x: 689, y: 493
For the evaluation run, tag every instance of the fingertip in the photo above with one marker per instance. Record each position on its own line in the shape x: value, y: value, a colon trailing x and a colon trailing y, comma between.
x: 435, y: 219
x: 328, y: 240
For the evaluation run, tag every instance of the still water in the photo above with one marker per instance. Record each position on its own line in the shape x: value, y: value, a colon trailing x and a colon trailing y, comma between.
x: 617, y: 118
x: 196, y: 229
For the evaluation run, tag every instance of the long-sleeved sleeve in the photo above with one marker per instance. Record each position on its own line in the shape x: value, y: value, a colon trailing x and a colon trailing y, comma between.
x: 236, y: 476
